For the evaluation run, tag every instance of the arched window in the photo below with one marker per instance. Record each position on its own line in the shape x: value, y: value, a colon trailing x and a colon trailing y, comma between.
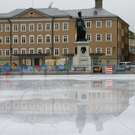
x: 31, y: 39
x: 40, y: 39
x: 23, y: 39
x: 48, y: 38
x: 15, y: 39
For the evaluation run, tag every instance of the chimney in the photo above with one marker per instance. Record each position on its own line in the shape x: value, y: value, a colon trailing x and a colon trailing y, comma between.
x: 98, y: 3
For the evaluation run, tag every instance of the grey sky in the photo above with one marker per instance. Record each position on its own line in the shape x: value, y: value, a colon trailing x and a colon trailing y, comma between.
x: 125, y: 9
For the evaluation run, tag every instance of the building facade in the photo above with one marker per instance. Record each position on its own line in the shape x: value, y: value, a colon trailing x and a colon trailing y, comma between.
x: 131, y: 46
x: 50, y: 30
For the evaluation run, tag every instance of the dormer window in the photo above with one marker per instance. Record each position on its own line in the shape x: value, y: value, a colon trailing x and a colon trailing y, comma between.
x: 95, y: 12
x: 31, y: 13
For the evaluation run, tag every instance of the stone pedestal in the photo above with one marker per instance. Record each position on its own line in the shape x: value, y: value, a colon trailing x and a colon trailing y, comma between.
x: 82, y: 58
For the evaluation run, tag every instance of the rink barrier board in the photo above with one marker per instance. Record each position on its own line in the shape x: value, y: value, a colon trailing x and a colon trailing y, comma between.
x: 63, y: 69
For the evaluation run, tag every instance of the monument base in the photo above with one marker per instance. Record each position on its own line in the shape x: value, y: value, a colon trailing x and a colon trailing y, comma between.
x: 81, y: 57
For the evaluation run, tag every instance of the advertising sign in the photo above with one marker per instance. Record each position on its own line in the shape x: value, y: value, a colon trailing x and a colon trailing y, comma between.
x: 97, y: 84
x: 108, y: 70
x: 97, y: 69
x: 108, y: 83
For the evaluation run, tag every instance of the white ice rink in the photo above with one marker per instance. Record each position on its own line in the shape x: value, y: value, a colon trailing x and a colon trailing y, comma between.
x: 67, y: 105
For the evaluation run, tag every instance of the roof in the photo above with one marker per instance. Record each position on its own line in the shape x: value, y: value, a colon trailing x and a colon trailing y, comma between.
x: 87, y: 13
x: 55, y: 12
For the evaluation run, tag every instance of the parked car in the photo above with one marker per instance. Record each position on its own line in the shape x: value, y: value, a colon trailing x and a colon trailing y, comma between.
x: 127, y: 65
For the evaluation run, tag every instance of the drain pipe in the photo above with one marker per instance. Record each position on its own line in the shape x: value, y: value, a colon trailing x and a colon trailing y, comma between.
x: 52, y: 35
x: 10, y: 42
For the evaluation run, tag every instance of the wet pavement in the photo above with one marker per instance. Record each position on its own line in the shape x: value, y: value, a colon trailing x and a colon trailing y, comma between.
x: 67, y: 107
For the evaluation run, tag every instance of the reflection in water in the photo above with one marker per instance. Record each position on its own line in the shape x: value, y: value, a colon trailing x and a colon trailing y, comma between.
x: 51, y: 102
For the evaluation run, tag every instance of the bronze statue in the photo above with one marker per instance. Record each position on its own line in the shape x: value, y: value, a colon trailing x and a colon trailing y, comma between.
x: 80, y: 25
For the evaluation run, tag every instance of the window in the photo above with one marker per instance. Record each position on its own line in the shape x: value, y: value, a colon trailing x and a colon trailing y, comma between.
x: 1, y: 40
x: 23, y: 27
x: 32, y: 105
x: 89, y: 108
x: 40, y: 39
x: 65, y: 26
x: 15, y: 39
x: 23, y: 39
x: 65, y: 106
x: 98, y: 24
x: 98, y: 50
x: 8, y: 105
x: 48, y: 39
x: 108, y: 37
x: 99, y: 95
x: 31, y: 13
x: 108, y: 108
x: 1, y: 105
x: 15, y: 27
x: 39, y: 50
x: 108, y: 23
x: 7, y: 27
x: 7, y: 40
x: 98, y: 37
x: 47, y: 26
x: 57, y: 106
x: 1, y: 27
x: 31, y: 27
x: 56, y: 39
x: 48, y: 105
x: 108, y: 62
x: 16, y: 105
x: 108, y: 95
x: 88, y: 37
x: 31, y: 50
x: 40, y: 105
x: 1, y: 52
x: 39, y: 27
x: 65, y: 50
x: 108, y: 51
x: 15, y: 50
x: 99, y: 108
x: 88, y: 24
x: 48, y: 50
x: 56, y: 26
x: 90, y: 50
x: 23, y: 50
x: 7, y: 52
x: 24, y: 105
x: 31, y: 39
x: 56, y: 52
x: 65, y: 38
x: 122, y: 32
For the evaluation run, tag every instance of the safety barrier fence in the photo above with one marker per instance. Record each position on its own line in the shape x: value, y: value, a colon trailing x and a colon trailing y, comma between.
x: 66, y: 69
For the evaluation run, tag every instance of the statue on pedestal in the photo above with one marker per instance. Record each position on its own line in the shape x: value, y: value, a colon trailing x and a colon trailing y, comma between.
x: 80, y: 26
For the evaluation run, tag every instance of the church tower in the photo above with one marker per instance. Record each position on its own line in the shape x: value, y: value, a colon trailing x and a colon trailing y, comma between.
x: 98, y: 3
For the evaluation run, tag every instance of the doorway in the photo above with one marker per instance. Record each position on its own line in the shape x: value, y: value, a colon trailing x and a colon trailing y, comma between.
x: 36, y: 61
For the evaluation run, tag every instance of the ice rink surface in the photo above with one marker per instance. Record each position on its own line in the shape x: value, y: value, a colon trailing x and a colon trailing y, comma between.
x: 67, y: 105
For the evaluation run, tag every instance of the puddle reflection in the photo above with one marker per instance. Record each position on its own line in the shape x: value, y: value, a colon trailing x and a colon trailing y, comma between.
x: 52, y: 101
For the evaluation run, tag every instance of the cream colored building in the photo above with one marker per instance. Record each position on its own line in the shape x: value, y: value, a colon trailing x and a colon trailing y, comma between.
x: 51, y: 30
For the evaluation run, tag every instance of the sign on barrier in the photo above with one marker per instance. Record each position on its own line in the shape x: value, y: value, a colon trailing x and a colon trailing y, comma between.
x: 97, y: 69
x: 108, y: 83
x: 108, y: 70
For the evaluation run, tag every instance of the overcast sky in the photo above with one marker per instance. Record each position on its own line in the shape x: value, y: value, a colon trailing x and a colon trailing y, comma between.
x: 125, y: 9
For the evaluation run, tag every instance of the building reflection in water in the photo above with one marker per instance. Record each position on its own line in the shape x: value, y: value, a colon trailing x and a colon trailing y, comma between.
x: 51, y: 102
